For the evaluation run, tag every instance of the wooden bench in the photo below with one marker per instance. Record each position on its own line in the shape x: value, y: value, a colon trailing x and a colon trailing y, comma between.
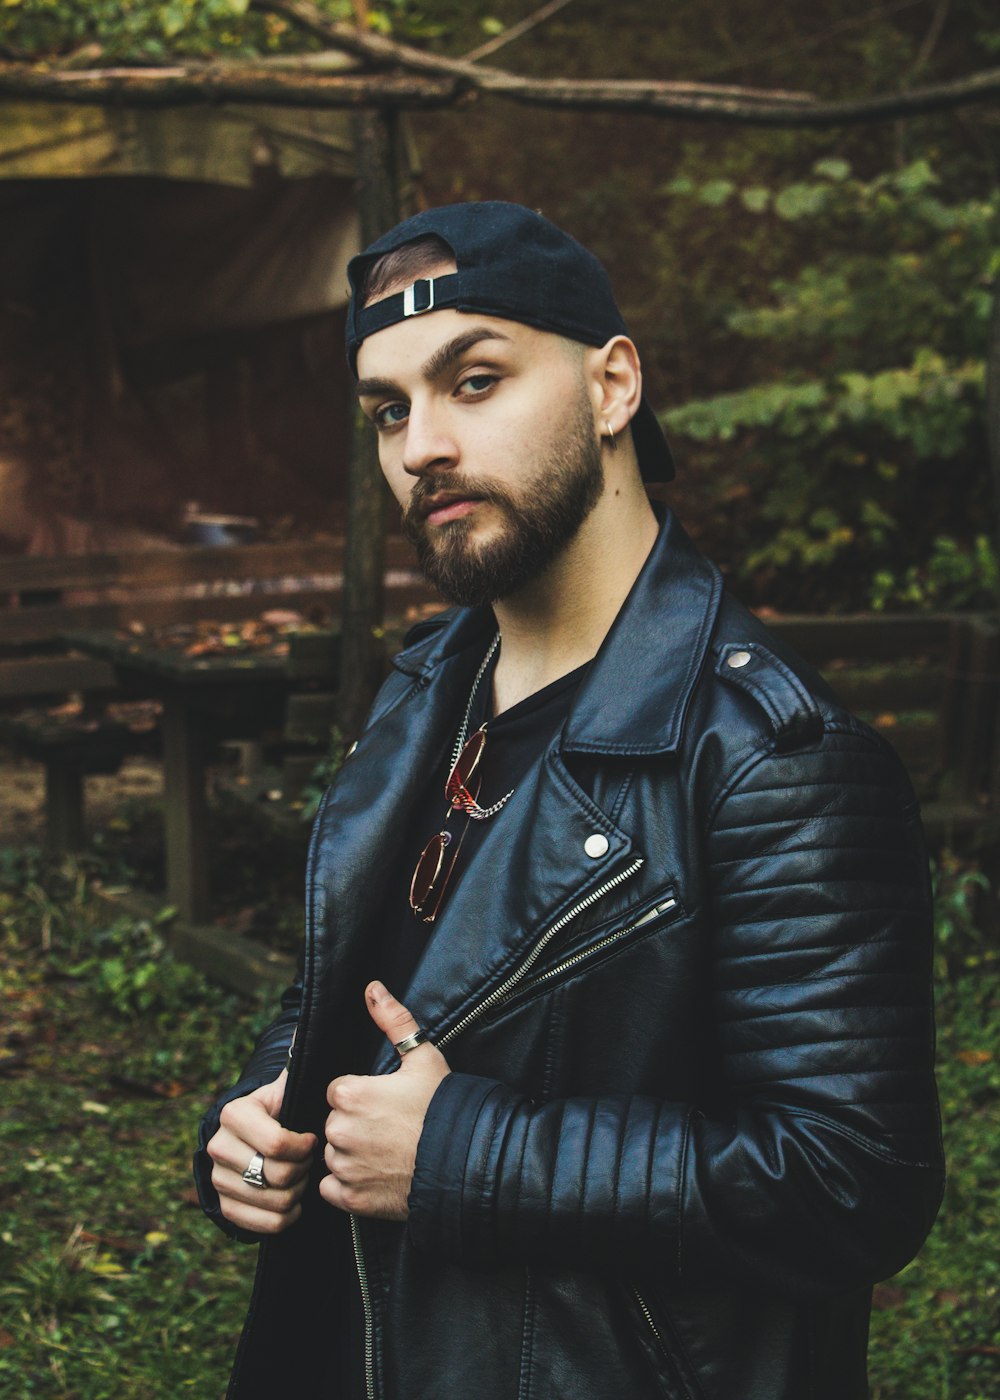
x: 43, y: 599
x: 71, y: 746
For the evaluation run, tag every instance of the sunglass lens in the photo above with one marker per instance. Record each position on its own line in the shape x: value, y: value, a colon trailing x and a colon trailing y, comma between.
x: 428, y: 878
x: 464, y: 780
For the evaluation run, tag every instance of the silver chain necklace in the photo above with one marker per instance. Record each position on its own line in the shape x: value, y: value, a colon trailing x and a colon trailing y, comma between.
x: 476, y: 812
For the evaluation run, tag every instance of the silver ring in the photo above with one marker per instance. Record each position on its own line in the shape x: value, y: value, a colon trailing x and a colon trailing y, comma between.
x: 254, y: 1174
x: 410, y: 1042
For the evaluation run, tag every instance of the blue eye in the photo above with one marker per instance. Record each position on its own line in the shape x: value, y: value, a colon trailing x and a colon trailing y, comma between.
x: 478, y: 383
x: 389, y: 415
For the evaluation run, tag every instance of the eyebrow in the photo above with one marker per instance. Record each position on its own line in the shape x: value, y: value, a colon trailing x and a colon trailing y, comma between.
x: 442, y: 359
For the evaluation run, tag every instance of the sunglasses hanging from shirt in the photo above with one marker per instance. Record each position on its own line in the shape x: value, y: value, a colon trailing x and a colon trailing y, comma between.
x: 438, y: 858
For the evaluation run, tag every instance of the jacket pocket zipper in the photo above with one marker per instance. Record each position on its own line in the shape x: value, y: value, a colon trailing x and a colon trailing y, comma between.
x: 507, y: 986
x: 608, y: 941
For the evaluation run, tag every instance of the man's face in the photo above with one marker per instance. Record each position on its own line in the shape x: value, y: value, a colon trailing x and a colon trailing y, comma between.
x: 487, y: 439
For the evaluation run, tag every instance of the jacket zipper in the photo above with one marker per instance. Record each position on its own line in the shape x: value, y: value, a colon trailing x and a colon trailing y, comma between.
x: 366, y: 1303
x: 505, y: 988
x: 647, y: 1314
x: 644, y: 1309
x: 662, y: 908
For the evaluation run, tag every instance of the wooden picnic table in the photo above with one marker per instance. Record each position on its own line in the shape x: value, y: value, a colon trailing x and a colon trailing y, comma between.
x: 232, y: 694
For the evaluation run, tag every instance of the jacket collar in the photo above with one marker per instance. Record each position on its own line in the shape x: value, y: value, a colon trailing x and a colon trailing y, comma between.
x: 635, y: 695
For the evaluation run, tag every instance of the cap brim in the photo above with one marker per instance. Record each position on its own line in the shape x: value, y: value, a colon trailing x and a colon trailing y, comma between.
x: 656, y: 461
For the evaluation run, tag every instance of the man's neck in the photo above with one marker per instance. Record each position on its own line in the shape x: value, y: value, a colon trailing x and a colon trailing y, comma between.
x: 559, y: 622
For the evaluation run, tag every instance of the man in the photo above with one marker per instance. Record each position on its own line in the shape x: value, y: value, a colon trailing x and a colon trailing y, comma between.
x: 654, y: 1106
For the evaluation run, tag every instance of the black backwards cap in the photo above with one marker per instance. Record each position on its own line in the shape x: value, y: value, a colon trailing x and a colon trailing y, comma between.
x: 514, y: 264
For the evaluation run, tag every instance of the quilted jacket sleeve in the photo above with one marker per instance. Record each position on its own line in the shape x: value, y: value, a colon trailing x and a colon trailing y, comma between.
x: 270, y: 1055
x: 819, y: 1168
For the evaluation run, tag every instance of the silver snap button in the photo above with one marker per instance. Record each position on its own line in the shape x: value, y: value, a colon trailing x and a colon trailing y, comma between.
x: 737, y: 659
x: 596, y: 845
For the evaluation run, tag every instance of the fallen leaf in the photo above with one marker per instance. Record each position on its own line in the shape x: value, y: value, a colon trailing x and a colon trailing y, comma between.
x: 92, y: 1106
x: 974, y: 1057
x: 105, y: 1266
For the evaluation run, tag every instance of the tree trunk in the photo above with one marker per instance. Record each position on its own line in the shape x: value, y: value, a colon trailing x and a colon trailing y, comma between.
x: 993, y: 415
x: 377, y: 156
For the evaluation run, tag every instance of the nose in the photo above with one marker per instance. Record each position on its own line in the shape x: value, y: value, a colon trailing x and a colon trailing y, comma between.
x: 428, y: 445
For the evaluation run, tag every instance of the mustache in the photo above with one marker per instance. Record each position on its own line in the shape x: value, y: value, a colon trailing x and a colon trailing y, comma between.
x: 483, y: 488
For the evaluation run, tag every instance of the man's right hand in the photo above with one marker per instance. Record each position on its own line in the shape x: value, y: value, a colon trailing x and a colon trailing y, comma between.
x: 250, y: 1125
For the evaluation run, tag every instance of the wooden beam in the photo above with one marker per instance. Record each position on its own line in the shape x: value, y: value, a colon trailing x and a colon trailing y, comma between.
x: 193, y: 564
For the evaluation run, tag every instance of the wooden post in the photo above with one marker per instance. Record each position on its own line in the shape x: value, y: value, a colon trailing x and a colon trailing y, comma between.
x: 376, y: 147
x: 63, y: 807
x: 185, y: 811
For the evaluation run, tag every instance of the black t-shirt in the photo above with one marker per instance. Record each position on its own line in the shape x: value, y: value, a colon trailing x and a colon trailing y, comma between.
x: 514, y: 740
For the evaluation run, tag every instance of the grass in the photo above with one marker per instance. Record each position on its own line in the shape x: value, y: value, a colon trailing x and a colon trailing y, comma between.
x: 113, y: 1286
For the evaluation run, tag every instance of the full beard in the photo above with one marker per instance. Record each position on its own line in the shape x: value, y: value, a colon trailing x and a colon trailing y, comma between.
x: 538, y: 525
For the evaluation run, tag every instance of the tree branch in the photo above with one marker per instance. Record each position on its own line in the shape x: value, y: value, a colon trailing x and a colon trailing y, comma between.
x: 383, y: 53
x: 515, y: 31
x: 247, y: 82
x: 189, y: 84
x: 661, y: 99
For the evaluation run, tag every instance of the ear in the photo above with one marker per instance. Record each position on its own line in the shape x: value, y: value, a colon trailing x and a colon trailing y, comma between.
x: 617, y: 381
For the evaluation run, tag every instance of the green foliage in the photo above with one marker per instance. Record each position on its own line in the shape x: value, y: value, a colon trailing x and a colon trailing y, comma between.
x: 955, y: 576
x: 963, y: 895
x: 323, y: 774
x: 153, y: 31
x: 936, y: 1326
x: 144, y: 31
x: 872, y: 397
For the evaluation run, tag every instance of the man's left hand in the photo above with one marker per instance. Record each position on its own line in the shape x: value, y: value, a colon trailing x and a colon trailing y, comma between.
x: 376, y: 1121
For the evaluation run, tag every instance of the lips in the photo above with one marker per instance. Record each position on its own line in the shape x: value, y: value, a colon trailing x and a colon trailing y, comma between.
x: 447, y: 505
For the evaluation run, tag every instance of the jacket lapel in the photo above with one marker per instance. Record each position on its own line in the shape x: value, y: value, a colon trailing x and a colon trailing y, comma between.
x: 530, y: 870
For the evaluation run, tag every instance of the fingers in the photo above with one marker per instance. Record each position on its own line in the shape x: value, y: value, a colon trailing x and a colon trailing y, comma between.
x: 265, y: 1212
x: 248, y: 1126
x: 272, y: 1197
x: 390, y: 1015
x: 234, y: 1153
x: 249, y: 1121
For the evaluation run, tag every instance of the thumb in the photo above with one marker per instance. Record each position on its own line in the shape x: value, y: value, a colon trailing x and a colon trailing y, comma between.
x: 390, y: 1015
x: 271, y: 1095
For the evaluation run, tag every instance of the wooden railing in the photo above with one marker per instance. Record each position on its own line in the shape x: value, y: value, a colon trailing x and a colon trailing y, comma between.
x: 42, y: 597
x: 931, y: 685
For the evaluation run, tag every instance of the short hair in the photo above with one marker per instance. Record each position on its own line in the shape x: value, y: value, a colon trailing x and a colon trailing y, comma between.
x: 403, y: 266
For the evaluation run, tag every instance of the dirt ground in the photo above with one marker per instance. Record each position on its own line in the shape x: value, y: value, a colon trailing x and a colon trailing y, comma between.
x: 22, y: 796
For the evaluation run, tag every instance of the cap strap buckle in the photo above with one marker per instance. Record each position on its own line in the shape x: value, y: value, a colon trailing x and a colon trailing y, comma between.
x: 419, y: 297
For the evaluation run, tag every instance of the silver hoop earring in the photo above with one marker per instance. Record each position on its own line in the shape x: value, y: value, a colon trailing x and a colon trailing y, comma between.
x: 611, y: 436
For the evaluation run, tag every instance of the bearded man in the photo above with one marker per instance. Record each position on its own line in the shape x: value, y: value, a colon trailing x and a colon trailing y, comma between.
x: 649, y: 1105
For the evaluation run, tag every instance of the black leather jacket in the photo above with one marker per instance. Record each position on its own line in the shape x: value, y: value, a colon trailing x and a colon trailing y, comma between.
x: 691, y: 1117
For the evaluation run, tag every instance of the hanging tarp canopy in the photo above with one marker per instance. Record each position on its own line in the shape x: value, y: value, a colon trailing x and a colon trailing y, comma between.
x: 201, y: 219
x: 218, y: 145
